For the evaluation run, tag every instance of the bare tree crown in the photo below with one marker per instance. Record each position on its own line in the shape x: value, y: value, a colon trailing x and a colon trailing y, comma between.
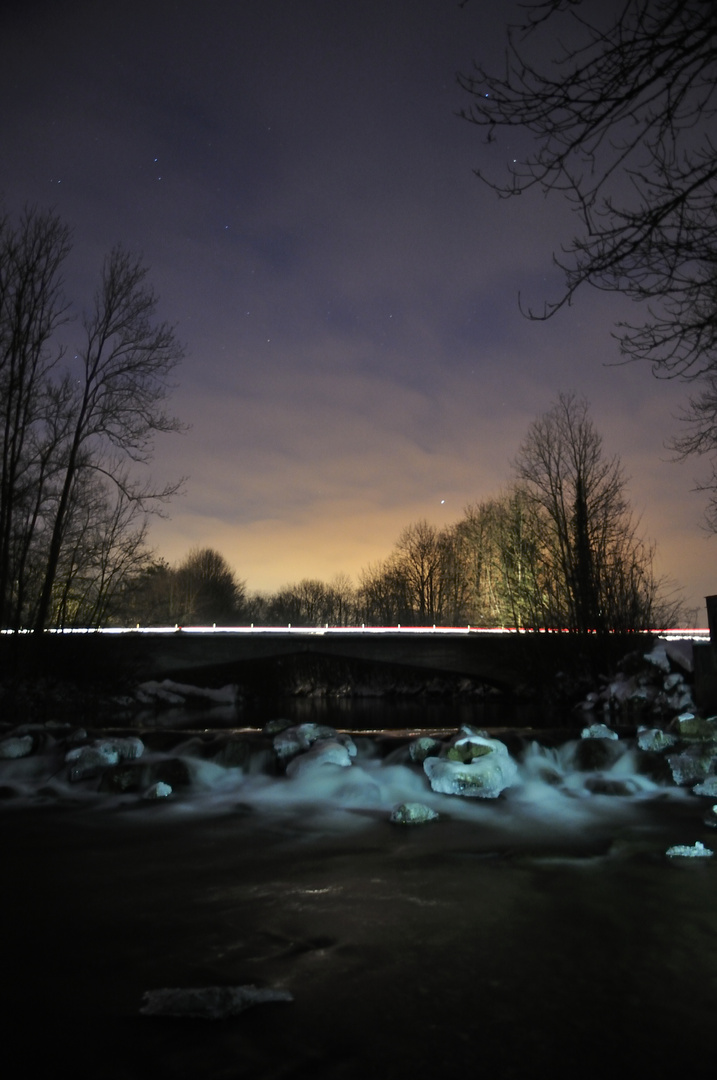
x: 621, y: 107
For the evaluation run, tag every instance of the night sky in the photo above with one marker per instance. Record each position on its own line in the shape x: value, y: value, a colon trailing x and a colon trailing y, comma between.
x: 297, y: 179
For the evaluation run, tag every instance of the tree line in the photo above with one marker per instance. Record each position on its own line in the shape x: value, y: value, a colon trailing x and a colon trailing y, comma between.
x: 559, y: 549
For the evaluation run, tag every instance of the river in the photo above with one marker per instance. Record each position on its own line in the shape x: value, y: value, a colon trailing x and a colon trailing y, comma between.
x: 542, y: 931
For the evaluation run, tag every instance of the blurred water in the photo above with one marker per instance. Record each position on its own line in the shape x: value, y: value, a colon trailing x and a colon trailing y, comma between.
x: 542, y: 932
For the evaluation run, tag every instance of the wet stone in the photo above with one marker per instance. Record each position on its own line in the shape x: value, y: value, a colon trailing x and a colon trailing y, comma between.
x: 424, y: 747
x: 413, y: 813
x: 594, y: 754
x: 172, y: 771
x: 123, y: 778
x: 604, y: 785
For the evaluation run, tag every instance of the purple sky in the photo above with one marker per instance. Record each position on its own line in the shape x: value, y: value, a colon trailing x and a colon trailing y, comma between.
x: 297, y: 179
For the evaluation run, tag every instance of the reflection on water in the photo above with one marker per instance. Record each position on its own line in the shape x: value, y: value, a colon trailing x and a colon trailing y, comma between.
x: 359, y: 713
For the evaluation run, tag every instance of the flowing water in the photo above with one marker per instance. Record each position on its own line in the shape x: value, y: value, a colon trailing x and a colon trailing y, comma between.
x: 542, y: 930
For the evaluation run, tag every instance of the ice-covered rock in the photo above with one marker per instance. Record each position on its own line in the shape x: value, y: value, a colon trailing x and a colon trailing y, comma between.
x: 88, y: 761
x: 681, y: 653
x: 154, y: 693
x: 208, y: 1002
x: 598, y: 731
x: 413, y: 813
x: 681, y: 700
x: 128, y: 748
x: 160, y: 790
x: 707, y: 787
x: 654, y: 739
x: 296, y: 740
x: 468, y: 749
x: 692, y: 766
x: 323, y: 752
x: 168, y: 692
x: 658, y: 657
x: 621, y: 689
x: 683, y: 851
x: 482, y: 777
x: 690, y: 726
x: 16, y: 746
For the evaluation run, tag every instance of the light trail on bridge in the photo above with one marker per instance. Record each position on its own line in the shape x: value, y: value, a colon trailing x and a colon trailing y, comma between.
x: 676, y: 634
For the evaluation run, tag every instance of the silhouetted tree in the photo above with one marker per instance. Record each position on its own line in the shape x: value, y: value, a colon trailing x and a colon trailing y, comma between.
x: 621, y: 106
x: 595, y: 572
x: 75, y: 437
x: 104, y: 548
x: 146, y: 596
x: 621, y: 103
x: 383, y: 594
x: 205, y: 590
x: 115, y: 407
x: 32, y: 308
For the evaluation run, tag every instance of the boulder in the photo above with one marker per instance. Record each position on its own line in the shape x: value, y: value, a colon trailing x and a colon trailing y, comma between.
x: 323, y: 752
x: 682, y: 851
x: 706, y: 787
x: 658, y: 658
x: 681, y: 653
x: 591, y: 754
x: 611, y: 785
x: 160, y: 790
x: 598, y: 731
x: 483, y: 777
x: 468, y: 749
x: 413, y: 813
x: 654, y: 739
x: 123, y: 778
x: 692, y: 766
x: 273, y: 727
x: 296, y: 740
x: 89, y: 761
x: 128, y: 749
x: 16, y: 746
x: 424, y: 747
x: 174, y: 772
x: 689, y: 726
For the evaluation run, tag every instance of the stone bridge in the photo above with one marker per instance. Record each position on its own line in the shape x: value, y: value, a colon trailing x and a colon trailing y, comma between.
x: 212, y: 658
